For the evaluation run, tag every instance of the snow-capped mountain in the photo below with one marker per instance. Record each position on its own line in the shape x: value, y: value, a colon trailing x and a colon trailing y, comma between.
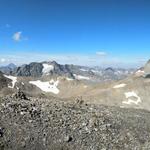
x: 44, y: 68
x: 92, y: 74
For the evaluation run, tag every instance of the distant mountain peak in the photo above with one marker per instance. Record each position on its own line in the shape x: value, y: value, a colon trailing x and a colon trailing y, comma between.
x: 8, y: 69
x: 12, y: 65
x: 109, y: 69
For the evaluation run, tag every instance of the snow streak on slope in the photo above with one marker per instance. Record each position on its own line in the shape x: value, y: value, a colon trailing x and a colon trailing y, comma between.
x: 14, y: 80
x: 119, y: 86
x: 79, y: 77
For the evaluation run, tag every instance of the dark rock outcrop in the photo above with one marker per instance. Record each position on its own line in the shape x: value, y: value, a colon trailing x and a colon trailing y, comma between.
x: 20, y: 95
x: 3, y: 81
x: 33, y: 69
x: 60, y: 70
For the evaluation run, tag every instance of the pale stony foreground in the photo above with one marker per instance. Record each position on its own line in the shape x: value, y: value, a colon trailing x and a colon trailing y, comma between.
x: 42, y: 124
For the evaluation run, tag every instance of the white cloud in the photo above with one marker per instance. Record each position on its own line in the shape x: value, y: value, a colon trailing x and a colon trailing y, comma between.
x: 101, y: 53
x: 20, y: 58
x: 2, y: 60
x: 17, y: 36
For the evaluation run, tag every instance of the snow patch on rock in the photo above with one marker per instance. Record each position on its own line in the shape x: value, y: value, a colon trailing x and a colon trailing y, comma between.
x: 119, y: 86
x: 79, y: 77
x: 140, y: 72
x: 49, y: 86
x: 14, y: 80
x: 47, y: 68
x: 22, y: 83
x: 84, y: 70
x: 130, y: 96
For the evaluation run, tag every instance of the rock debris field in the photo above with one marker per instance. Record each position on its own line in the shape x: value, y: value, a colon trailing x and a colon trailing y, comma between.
x: 43, y: 124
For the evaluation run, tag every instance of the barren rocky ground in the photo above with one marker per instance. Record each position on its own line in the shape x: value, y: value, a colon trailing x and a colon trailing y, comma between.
x: 43, y: 124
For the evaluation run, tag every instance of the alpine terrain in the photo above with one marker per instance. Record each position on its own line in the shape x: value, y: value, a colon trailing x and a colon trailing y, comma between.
x: 74, y: 74
x: 51, y: 106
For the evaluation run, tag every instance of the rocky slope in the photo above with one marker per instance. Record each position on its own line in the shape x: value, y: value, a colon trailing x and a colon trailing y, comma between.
x: 3, y: 81
x: 51, y: 124
x: 132, y: 91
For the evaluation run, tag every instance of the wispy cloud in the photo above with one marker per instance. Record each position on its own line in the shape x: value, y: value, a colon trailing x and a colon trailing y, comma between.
x: 101, y: 53
x: 2, y: 60
x: 77, y: 59
x: 19, y: 37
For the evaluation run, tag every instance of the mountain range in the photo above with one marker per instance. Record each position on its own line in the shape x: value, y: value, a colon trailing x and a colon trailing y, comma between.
x: 52, y: 68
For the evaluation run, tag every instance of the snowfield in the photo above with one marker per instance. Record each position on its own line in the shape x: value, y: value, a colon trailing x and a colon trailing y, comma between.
x: 14, y: 80
x: 129, y: 96
x: 119, y: 86
x: 79, y: 77
x: 49, y: 86
x: 47, y: 68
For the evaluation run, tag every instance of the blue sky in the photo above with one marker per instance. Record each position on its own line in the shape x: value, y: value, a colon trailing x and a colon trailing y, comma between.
x: 86, y: 32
